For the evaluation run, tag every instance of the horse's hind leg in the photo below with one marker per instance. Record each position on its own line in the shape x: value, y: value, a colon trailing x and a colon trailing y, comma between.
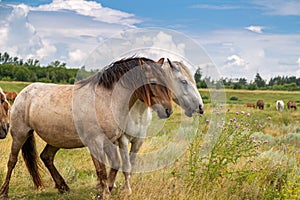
x: 17, y: 144
x: 47, y: 157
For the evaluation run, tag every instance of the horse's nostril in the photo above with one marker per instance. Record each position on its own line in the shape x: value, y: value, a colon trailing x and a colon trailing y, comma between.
x: 169, y: 112
x: 201, y: 110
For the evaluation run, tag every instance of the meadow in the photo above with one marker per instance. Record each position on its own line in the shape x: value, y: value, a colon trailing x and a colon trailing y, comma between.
x: 235, y: 153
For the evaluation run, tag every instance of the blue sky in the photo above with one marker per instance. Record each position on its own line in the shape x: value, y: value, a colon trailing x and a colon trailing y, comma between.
x: 241, y: 37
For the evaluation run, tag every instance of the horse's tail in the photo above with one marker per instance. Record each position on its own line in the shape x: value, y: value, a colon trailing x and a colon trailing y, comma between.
x: 31, y: 160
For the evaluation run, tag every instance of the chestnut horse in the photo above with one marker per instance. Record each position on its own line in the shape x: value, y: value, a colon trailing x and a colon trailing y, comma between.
x: 260, y: 104
x: 250, y: 105
x: 11, y: 96
x: 90, y: 113
x: 292, y: 105
x: 4, y: 114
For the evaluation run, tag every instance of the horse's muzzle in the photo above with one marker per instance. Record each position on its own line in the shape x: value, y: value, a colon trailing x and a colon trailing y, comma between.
x: 201, y: 110
x: 4, y: 130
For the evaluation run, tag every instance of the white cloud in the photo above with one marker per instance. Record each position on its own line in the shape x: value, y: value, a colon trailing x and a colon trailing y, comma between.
x: 256, y: 29
x: 77, y: 57
x: 263, y: 53
x: 280, y: 7
x: 235, y: 60
x: 19, y: 35
x: 46, y: 50
x: 91, y: 9
x: 298, y: 61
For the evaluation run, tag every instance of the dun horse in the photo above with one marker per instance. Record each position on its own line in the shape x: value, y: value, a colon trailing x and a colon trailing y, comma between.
x: 90, y: 113
x: 185, y: 95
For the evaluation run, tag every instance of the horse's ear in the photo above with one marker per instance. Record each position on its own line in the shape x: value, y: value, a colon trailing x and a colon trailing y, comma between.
x: 160, y: 61
x: 173, y: 67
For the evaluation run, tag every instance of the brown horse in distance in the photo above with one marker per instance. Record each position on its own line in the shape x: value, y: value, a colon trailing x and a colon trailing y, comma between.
x: 292, y: 104
x: 11, y: 96
x: 260, y: 104
x: 250, y: 105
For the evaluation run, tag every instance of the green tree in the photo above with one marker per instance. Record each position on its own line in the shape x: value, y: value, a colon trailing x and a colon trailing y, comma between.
x: 259, y: 81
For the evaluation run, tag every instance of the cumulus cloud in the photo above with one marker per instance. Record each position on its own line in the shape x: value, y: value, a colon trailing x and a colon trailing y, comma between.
x: 235, y: 60
x: 91, y: 9
x: 77, y: 57
x: 256, y: 29
x: 298, y: 61
x: 19, y: 35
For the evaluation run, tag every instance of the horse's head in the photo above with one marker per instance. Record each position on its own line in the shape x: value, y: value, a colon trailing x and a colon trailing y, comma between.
x: 155, y: 92
x: 4, y: 115
x: 184, y: 88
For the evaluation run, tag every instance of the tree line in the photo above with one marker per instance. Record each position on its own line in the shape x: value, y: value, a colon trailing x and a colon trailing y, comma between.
x: 289, y: 83
x: 16, y: 69
x: 30, y: 70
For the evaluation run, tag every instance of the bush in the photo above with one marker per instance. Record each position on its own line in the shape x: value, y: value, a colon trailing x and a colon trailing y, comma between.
x: 233, y: 98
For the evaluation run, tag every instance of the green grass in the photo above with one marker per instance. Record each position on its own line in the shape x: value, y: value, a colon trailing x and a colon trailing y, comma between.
x: 13, y: 86
x: 276, y: 175
x: 249, y: 96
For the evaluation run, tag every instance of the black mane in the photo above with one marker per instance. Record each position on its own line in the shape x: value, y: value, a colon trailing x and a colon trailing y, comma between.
x: 113, y: 72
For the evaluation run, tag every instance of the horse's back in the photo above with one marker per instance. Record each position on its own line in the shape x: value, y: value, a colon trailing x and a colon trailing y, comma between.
x: 47, y: 109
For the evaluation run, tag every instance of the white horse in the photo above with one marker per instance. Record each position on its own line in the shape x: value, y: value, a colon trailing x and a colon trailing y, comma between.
x: 186, y: 95
x: 279, y: 105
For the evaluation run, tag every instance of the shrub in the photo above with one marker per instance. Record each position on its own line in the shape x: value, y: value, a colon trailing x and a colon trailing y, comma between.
x: 234, y: 98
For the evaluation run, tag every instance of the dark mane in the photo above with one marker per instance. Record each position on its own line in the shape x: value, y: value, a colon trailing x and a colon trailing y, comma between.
x: 113, y: 72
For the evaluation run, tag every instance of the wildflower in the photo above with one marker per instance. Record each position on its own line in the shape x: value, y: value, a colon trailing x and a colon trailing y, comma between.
x: 248, y: 114
x: 269, y: 118
x: 236, y: 113
x: 207, y: 121
x: 243, y: 112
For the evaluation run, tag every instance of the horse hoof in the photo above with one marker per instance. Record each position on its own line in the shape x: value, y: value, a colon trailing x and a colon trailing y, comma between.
x: 4, y: 197
x: 63, y: 189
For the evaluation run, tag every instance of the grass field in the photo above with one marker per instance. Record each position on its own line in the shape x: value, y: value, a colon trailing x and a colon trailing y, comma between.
x: 255, y: 156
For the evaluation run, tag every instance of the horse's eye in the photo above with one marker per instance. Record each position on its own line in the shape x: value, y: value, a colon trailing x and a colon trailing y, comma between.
x: 184, y: 82
x: 153, y: 83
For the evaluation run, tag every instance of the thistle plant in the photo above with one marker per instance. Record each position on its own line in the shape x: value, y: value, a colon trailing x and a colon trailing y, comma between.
x: 236, y: 142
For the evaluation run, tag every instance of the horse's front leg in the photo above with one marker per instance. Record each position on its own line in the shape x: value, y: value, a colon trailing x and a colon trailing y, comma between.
x: 136, y: 144
x: 112, y: 153
x: 102, y: 185
x: 126, y: 165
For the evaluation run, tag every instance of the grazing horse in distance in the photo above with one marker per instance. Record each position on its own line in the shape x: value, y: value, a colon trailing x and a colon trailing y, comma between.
x: 89, y: 114
x: 4, y: 115
x: 292, y: 104
x: 260, y: 104
x: 279, y: 105
x: 11, y: 96
x: 250, y: 105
